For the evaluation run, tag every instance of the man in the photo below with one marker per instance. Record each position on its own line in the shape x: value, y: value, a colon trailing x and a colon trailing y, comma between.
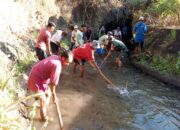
x: 86, y: 53
x: 77, y: 37
x: 56, y: 40
x: 140, y: 29
x: 83, y: 30
x: 103, y: 40
x: 88, y: 34
x: 44, y: 77
x: 117, y: 46
x: 117, y: 33
x: 102, y: 31
x: 43, y: 42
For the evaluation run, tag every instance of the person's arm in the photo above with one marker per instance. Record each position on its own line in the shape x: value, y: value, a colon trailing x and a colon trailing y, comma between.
x: 94, y: 65
x: 106, y: 57
x: 49, y: 48
x: 53, y: 92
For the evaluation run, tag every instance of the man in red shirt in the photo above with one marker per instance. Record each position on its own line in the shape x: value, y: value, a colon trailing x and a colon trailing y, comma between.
x: 43, y: 42
x: 86, y: 53
x: 44, y: 75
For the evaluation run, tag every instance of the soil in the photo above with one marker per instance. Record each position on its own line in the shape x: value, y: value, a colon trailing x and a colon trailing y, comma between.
x: 86, y: 104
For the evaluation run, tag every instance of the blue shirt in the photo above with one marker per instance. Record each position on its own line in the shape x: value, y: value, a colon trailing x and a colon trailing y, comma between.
x: 140, y: 29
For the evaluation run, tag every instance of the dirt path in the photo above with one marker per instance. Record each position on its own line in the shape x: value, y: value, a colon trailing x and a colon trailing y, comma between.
x: 86, y: 104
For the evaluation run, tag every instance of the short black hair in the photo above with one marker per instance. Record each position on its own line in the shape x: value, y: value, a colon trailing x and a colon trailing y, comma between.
x: 83, y: 25
x: 51, y: 24
x: 65, y: 53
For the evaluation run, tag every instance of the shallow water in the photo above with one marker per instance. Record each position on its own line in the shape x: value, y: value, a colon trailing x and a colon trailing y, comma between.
x: 151, y: 104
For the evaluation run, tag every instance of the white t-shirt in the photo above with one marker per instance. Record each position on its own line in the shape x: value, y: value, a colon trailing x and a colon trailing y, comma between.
x: 79, y: 38
x: 73, y: 34
x: 57, y: 37
x: 117, y: 33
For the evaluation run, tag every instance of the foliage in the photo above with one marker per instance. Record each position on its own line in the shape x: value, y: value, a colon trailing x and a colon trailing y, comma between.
x: 166, y: 65
x: 173, y: 34
x: 164, y: 7
x: 65, y: 43
x: 24, y: 64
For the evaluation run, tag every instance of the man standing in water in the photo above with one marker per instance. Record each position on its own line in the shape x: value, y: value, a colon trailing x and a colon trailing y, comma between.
x: 44, y: 78
x: 42, y: 47
x: 86, y: 53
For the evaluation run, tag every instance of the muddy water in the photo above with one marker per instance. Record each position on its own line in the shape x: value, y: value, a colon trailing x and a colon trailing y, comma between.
x: 88, y: 104
x: 151, y: 104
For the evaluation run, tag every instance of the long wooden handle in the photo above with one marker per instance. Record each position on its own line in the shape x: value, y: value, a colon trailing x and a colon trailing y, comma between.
x: 59, y: 115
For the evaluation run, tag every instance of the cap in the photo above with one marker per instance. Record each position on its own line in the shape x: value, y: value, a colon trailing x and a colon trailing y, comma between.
x: 110, y: 33
x: 94, y: 44
x: 141, y: 18
x: 75, y: 26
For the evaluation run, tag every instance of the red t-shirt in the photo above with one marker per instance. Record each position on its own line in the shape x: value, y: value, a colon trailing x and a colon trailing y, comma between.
x: 43, y: 38
x: 84, y: 52
x: 45, y: 72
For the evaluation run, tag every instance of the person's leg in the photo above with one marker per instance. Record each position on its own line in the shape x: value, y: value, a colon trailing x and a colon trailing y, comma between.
x: 71, y: 46
x: 40, y: 54
x: 82, y: 68
x: 48, y: 97
x: 142, y: 46
x: 54, y: 48
x: 75, y: 65
x: 43, y: 107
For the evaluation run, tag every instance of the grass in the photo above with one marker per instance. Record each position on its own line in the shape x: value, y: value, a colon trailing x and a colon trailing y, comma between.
x: 11, y: 94
x: 166, y: 65
x: 23, y: 65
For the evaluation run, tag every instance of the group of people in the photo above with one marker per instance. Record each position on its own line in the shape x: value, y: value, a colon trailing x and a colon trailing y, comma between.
x: 44, y: 75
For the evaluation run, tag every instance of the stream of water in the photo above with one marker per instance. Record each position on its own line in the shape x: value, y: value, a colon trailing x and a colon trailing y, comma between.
x: 151, y: 104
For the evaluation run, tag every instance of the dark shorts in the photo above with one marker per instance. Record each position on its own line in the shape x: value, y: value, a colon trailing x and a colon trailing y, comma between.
x: 82, y: 62
x: 140, y: 44
x: 54, y: 47
x: 41, y: 54
x: 72, y: 46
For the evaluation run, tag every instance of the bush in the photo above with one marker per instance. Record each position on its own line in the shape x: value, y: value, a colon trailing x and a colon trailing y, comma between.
x: 166, y: 65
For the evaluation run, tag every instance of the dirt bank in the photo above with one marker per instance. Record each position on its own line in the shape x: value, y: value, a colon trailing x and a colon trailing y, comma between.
x: 86, y: 104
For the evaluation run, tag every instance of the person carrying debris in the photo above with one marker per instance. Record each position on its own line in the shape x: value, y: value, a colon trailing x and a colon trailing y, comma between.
x: 44, y: 77
x: 42, y: 46
x: 86, y: 53
x: 56, y: 40
x: 139, y: 29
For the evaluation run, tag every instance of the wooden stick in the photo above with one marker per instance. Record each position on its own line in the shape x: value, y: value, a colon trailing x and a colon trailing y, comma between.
x: 59, y: 115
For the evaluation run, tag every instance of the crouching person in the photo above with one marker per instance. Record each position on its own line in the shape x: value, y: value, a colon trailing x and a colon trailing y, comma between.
x: 86, y: 53
x: 44, y: 78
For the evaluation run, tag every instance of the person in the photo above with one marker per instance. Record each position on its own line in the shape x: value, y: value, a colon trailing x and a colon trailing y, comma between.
x: 86, y: 53
x: 73, y: 37
x: 88, y: 34
x: 83, y: 30
x: 102, y: 31
x: 139, y: 29
x: 42, y: 46
x: 103, y: 40
x: 44, y: 77
x: 56, y: 40
x: 117, y: 33
x: 117, y: 46
x: 77, y: 36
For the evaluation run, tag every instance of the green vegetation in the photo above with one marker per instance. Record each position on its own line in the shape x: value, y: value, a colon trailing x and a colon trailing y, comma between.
x: 164, y: 7
x: 23, y: 65
x: 166, y: 65
x: 158, y: 12
x: 12, y: 94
